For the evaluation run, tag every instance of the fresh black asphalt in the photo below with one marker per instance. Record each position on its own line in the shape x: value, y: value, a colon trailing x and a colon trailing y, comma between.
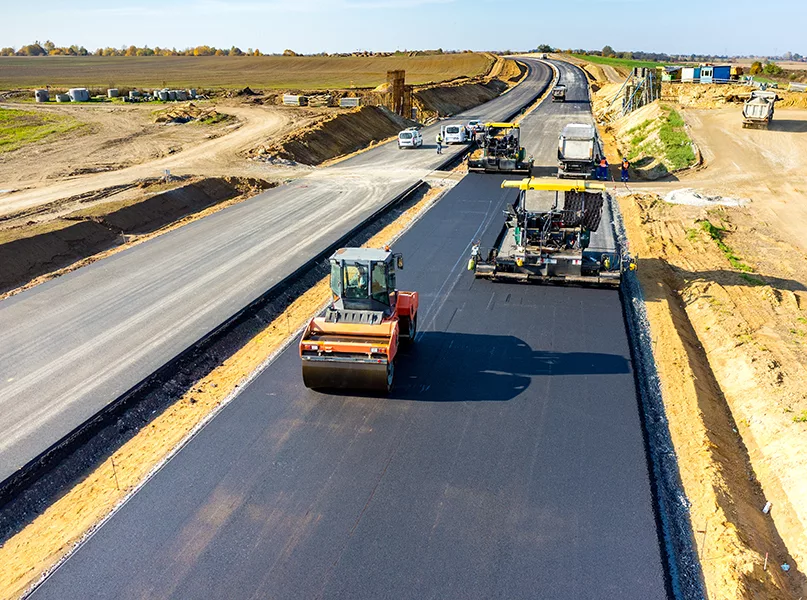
x: 507, y: 463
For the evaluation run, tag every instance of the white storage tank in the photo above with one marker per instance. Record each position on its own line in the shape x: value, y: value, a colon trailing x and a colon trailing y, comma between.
x: 41, y: 95
x: 172, y: 95
x: 62, y: 98
x: 192, y: 93
x: 182, y: 95
x: 79, y: 94
x: 134, y: 94
x: 163, y: 95
x: 112, y: 93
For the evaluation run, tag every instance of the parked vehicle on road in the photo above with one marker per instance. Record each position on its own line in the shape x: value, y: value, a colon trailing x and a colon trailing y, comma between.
x: 410, y: 138
x: 454, y: 134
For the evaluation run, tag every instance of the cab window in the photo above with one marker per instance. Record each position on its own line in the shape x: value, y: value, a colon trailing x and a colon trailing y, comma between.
x: 356, y: 281
x: 378, y: 285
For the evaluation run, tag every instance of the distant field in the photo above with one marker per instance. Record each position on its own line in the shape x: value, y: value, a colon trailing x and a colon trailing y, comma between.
x: 619, y: 62
x: 279, y: 72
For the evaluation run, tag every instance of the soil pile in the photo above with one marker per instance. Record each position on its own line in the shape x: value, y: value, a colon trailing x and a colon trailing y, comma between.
x: 188, y: 113
x: 29, y: 252
x: 50, y: 248
x: 154, y: 212
x: 334, y: 136
x: 446, y: 101
x: 696, y: 95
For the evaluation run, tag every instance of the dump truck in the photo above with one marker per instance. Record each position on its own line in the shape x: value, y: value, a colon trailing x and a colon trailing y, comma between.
x: 547, y: 235
x: 559, y: 93
x: 500, y: 150
x: 578, y: 151
x: 758, y: 109
x: 355, y: 343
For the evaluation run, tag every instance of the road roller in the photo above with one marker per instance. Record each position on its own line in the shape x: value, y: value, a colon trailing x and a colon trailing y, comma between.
x: 354, y: 343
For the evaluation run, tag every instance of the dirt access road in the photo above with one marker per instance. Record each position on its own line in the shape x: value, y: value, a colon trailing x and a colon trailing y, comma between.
x: 116, y: 151
x: 766, y: 167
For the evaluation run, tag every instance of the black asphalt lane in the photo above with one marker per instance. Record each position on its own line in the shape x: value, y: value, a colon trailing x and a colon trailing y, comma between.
x: 507, y: 463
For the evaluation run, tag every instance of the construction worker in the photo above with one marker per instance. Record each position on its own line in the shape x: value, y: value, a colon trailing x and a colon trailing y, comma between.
x: 439, y: 143
x: 602, y: 170
x: 625, y: 167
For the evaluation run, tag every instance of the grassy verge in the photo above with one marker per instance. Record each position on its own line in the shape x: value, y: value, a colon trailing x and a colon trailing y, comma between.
x: 20, y: 127
x: 618, y: 62
x: 677, y: 146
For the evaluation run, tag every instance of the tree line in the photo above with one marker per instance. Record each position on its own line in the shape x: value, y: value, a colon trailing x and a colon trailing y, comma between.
x: 48, y: 48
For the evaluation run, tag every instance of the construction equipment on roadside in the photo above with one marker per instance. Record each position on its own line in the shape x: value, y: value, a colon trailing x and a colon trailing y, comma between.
x: 547, y: 240
x: 354, y: 344
x: 758, y: 109
x: 500, y: 151
x: 578, y: 151
x: 559, y: 93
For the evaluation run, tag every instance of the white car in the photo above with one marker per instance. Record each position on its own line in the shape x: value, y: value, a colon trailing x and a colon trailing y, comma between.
x: 410, y: 138
x: 475, y: 126
x: 454, y: 134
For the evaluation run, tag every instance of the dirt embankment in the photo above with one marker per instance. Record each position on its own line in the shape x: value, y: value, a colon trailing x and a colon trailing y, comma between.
x: 28, y: 252
x: 336, y: 135
x: 445, y: 101
x: 727, y: 305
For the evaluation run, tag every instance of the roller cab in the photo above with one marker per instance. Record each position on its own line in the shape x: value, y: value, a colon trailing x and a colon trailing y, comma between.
x: 354, y: 344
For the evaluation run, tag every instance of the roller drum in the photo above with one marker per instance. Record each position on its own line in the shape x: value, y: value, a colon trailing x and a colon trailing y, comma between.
x: 347, y: 375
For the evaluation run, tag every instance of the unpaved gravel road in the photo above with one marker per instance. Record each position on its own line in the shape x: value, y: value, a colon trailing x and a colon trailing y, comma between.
x: 764, y: 166
x: 137, y: 148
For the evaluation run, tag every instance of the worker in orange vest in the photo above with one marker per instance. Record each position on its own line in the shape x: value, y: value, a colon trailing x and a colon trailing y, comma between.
x: 625, y: 167
x: 602, y: 170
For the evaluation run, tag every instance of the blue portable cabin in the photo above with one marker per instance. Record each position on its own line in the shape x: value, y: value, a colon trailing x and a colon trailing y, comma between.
x: 721, y: 74
x: 715, y: 74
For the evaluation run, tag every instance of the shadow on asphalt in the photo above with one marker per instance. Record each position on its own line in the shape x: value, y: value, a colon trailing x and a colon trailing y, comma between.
x: 789, y: 125
x: 460, y: 367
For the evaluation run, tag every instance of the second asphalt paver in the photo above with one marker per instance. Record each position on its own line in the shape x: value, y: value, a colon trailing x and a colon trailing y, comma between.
x: 508, y: 461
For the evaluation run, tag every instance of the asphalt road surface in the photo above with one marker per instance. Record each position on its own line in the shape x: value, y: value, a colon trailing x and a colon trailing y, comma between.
x: 75, y: 344
x: 508, y: 462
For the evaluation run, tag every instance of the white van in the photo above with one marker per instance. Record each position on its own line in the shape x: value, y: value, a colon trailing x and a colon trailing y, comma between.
x: 454, y: 134
x: 410, y: 138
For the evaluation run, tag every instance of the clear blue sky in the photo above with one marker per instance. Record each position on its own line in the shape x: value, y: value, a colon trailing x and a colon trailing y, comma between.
x: 687, y: 26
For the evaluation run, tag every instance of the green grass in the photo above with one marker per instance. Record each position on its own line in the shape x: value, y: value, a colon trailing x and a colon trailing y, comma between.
x: 801, y: 418
x: 261, y: 72
x: 215, y: 119
x: 677, y: 145
x: 21, y: 127
x: 717, y: 233
x: 752, y: 280
x: 619, y: 62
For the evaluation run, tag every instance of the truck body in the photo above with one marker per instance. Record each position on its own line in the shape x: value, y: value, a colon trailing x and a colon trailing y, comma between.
x: 559, y: 93
x: 578, y: 151
x: 758, y: 109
